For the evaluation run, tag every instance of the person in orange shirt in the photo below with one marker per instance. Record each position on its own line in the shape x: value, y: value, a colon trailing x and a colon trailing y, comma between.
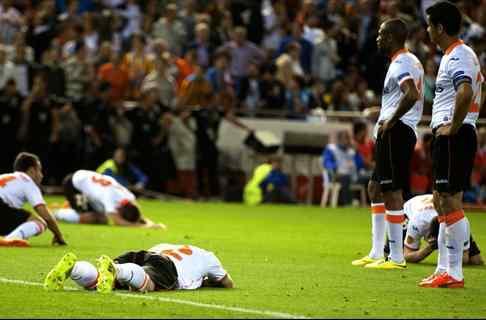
x: 117, y: 76
x: 185, y: 66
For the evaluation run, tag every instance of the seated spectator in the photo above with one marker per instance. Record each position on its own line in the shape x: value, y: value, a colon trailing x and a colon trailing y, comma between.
x: 421, y: 166
x: 297, y: 97
x: 116, y: 75
x: 123, y: 171
x: 344, y: 165
x: 276, y: 186
x: 272, y: 89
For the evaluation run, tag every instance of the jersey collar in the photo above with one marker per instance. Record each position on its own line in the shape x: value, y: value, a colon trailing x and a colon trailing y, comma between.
x: 453, y: 45
x: 397, y: 53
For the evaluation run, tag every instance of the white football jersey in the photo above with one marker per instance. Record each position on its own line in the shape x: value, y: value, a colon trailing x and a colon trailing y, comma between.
x: 193, y: 264
x: 103, y: 192
x: 18, y: 188
x: 404, y: 66
x: 420, y: 212
x: 458, y: 65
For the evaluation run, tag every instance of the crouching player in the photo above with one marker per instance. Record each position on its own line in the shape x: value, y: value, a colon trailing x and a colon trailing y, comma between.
x: 16, y: 189
x: 163, y: 267
x: 94, y: 198
x: 423, y: 224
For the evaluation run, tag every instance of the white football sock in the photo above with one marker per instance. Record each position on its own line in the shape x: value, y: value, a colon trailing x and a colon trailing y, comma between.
x: 394, y: 221
x: 67, y: 215
x: 442, y: 250
x: 26, y: 230
x: 134, y: 276
x: 377, y: 230
x: 455, y: 235
x: 84, y: 274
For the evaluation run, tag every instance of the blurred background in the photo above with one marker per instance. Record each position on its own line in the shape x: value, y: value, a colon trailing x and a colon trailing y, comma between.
x: 214, y: 100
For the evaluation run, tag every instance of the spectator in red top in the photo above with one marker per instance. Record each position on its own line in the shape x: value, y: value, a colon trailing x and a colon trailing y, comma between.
x: 116, y: 75
x: 421, y: 166
x: 364, y: 145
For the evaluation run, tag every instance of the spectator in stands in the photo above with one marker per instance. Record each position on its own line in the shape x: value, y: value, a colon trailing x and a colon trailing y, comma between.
x: 10, y: 103
x: 185, y: 66
x: 204, y: 49
x: 23, y: 68
x: 364, y: 145
x: 219, y: 75
x: 56, y: 78
x: 39, y: 126
x: 297, y: 97
x: 7, y: 68
x: 276, y: 186
x: 421, y: 166
x: 79, y: 72
x: 243, y: 52
x: 117, y: 76
x: 163, y: 78
x: 272, y: 89
x: 137, y: 63
x: 169, y: 28
x: 123, y: 171
x: 343, y: 164
x: 306, y: 47
x: 324, y: 58
x: 11, y: 21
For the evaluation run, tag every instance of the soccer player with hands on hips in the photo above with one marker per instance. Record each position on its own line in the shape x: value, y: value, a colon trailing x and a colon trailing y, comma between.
x: 162, y: 267
x: 20, y: 187
x: 455, y: 110
x: 395, y: 135
x: 94, y: 198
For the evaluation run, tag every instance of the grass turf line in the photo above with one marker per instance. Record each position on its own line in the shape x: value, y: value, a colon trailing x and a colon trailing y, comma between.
x: 289, y: 259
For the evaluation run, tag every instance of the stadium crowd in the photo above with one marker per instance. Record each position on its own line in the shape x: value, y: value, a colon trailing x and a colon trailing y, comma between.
x: 80, y: 79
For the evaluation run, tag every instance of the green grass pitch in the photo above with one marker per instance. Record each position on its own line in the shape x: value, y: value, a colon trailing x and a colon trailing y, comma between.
x: 285, y: 260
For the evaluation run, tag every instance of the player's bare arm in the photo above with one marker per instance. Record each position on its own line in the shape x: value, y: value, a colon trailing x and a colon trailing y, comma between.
x: 463, y: 101
x: 417, y: 255
x: 410, y: 96
x: 44, y: 213
x: 225, y: 282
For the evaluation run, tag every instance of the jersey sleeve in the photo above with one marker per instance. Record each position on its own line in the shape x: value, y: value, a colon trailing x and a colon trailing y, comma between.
x: 215, y: 270
x: 412, y: 233
x: 403, y: 72
x: 461, y: 70
x: 33, y: 195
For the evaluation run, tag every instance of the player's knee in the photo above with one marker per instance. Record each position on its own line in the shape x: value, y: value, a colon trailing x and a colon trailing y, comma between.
x: 393, y: 200
x: 374, y: 192
x: 101, y: 219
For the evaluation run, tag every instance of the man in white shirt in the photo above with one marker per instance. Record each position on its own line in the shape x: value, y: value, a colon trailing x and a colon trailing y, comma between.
x: 454, y: 113
x: 16, y: 189
x: 422, y: 224
x: 162, y: 267
x: 94, y: 198
x: 395, y: 134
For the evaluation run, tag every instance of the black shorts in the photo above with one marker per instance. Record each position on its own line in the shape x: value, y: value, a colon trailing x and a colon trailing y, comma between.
x: 76, y: 199
x: 159, y: 268
x: 453, y: 160
x: 11, y: 218
x: 393, y: 152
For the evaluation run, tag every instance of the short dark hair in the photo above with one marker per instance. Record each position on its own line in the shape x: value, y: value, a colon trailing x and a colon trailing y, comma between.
x: 398, y: 29
x: 446, y: 14
x: 130, y: 212
x: 24, y: 161
x: 358, y: 126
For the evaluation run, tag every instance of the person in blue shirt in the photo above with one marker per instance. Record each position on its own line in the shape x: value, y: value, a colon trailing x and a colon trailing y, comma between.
x: 123, y: 171
x: 343, y: 164
x: 276, y: 186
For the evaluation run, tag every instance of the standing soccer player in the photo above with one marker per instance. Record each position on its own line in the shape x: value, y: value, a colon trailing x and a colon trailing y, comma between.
x: 454, y: 113
x: 395, y: 134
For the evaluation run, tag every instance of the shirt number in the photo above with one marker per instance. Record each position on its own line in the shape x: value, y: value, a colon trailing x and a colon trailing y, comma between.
x: 5, y: 180
x: 101, y: 181
x: 177, y: 254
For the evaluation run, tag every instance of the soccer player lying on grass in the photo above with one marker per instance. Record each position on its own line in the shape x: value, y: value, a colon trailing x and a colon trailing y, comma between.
x: 163, y: 267
x: 16, y: 189
x: 93, y: 198
x: 423, y: 224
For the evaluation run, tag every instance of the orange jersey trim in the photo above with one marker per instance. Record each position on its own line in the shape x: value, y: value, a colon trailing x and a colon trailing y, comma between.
x: 453, y: 45
x: 453, y: 217
x: 397, y: 53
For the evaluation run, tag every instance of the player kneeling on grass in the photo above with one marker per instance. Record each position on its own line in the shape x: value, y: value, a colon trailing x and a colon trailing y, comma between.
x: 423, y: 224
x: 93, y: 198
x: 16, y: 189
x: 163, y: 267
